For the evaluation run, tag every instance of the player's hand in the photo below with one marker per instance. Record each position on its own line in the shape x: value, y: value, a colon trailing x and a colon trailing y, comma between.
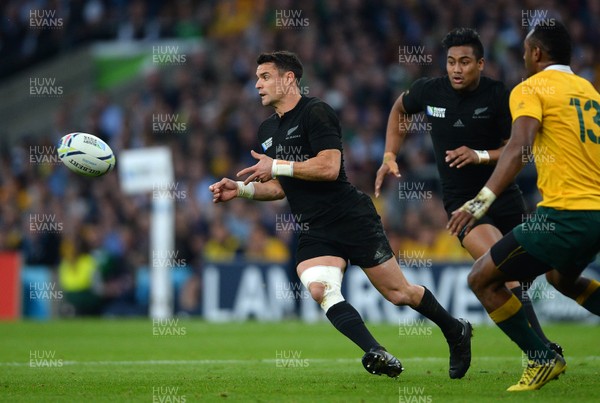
x: 224, y: 190
x: 460, y: 221
x: 464, y: 218
x: 461, y: 157
x: 259, y: 172
x: 388, y: 166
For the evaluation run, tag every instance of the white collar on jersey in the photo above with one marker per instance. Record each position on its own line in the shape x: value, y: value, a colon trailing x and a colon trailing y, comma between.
x: 560, y: 67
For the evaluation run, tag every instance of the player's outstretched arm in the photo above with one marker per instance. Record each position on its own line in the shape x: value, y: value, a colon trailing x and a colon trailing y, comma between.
x: 510, y: 163
x: 325, y: 166
x: 394, y: 136
x: 227, y: 189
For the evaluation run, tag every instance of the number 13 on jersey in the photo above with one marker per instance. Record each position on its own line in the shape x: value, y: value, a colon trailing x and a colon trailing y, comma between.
x: 590, y: 104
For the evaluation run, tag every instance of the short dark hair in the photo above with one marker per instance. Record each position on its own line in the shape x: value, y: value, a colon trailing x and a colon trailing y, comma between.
x: 551, y: 36
x: 284, y: 61
x: 464, y: 37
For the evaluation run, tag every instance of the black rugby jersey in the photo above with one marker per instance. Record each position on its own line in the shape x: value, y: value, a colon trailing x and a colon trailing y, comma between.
x: 479, y: 119
x: 301, y: 133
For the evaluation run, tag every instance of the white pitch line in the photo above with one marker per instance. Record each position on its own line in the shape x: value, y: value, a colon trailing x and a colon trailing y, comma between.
x: 264, y: 361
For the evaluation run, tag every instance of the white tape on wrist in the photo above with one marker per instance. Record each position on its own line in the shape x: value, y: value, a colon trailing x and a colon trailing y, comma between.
x: 282, y: 168
x: 245, y: 191
x: 483, y: 155
x: 480, y: 204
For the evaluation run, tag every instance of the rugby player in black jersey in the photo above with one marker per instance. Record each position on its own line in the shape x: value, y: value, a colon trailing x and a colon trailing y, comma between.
x: 303, y: 161
x: 470, y: 124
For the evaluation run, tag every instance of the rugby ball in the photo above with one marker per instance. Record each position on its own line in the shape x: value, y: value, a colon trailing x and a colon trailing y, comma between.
x: 85, y: 154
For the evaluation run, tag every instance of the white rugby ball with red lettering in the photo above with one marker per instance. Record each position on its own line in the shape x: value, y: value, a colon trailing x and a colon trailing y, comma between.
x: 86, y: 154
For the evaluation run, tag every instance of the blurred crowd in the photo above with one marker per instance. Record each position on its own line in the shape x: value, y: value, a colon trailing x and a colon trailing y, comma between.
x: 350, y: 50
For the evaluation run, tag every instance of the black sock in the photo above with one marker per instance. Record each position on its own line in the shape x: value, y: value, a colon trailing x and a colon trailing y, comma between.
x: 432, y: 310
x: 521, y: 293
x: 347, y: 320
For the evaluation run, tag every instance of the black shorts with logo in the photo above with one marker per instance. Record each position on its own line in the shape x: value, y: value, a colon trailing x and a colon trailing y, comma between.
x: 357, y: 236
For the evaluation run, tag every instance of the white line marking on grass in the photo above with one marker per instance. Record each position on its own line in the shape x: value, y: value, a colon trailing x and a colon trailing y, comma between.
x: 268, y: 361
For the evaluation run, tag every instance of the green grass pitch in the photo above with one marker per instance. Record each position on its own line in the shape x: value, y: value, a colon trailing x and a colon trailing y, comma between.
x: 191, y: 360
